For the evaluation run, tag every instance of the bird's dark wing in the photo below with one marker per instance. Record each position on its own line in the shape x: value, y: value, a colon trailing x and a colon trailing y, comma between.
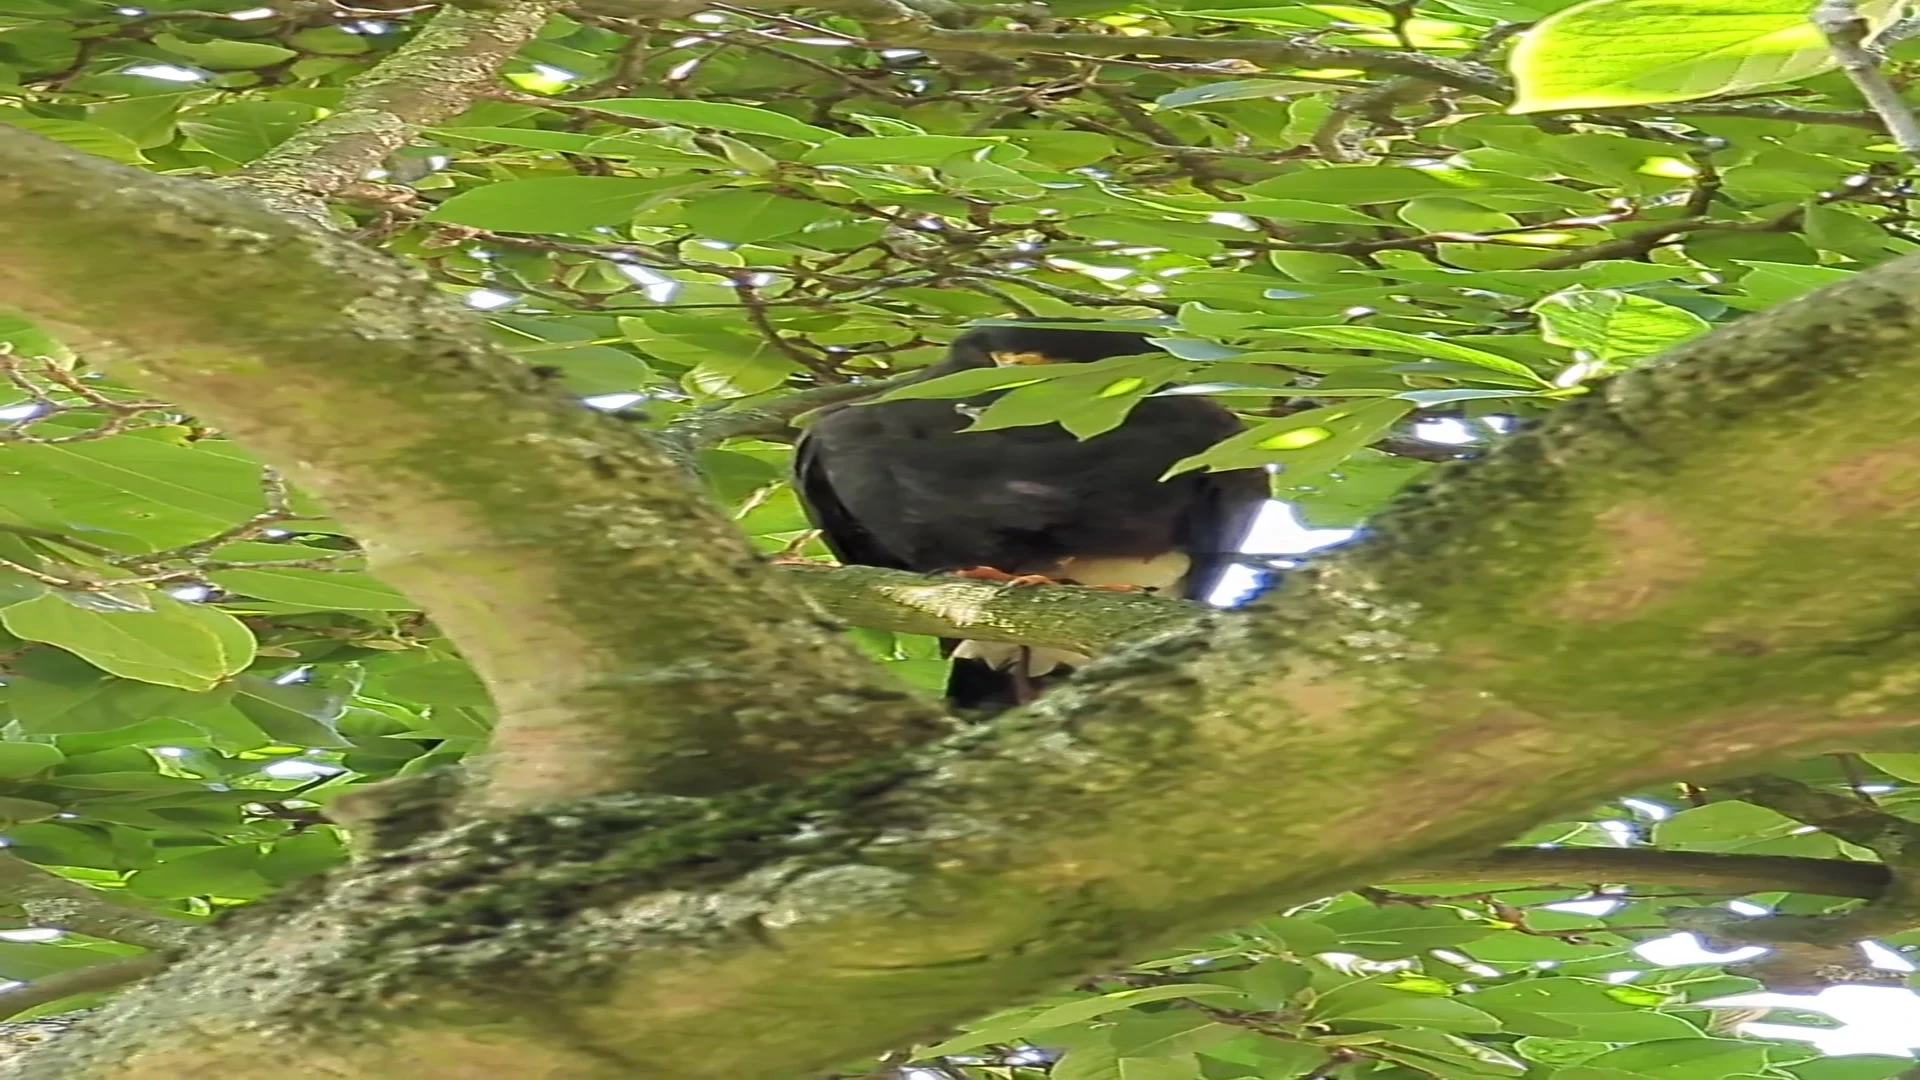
x: 972, y: 684
x: 1216, y: 524
x: 843, y: 534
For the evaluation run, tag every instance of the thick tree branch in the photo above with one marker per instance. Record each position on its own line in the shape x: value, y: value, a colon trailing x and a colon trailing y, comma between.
x: 383, y: 399
x: 1734, y: 875
x: 436, y: 75
x: 1084, y: 620
x: 54, y: 902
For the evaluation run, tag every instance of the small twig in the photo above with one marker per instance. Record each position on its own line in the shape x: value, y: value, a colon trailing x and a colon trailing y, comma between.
x: 1847, y: 33
x: 1638, y: 243
x: 1856, y: 779
x: 279, y: 511
x: 122, y: 415
x: 53, y: 537
x: 756, y: 311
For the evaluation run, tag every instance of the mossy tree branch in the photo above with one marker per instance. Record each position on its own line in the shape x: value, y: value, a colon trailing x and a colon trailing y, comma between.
x: 522, y: 522
x: 438, y: 73
x: 1084, y: 620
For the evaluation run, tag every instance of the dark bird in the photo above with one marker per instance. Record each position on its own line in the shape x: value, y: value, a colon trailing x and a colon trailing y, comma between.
x: 900, y: 484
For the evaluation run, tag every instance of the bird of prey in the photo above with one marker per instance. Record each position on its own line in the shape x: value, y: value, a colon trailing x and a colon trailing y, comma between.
x: 900, y: 484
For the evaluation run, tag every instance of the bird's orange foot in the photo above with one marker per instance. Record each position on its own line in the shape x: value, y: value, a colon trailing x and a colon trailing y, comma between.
x: 989, y: 573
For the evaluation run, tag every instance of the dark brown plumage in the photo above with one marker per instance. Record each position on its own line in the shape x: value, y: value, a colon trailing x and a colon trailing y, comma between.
x: 900, y: 484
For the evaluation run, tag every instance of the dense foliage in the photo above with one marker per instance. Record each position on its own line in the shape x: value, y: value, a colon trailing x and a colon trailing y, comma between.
x: 1366, y: 225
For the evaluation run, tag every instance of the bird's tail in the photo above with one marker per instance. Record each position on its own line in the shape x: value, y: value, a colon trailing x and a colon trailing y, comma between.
x: 991, y: 677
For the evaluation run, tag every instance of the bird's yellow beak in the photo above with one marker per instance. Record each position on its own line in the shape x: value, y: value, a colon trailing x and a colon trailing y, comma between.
x: 1012, y: 359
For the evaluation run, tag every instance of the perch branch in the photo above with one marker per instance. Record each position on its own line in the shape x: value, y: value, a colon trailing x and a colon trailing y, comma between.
x: 1847, y: 33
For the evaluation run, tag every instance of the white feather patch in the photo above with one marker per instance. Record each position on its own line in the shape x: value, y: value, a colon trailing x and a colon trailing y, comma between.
x: 1160, y: 573
x: 1002, y: 656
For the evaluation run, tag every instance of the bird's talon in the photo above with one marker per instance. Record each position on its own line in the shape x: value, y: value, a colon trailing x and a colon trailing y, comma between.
x: 991, y: 573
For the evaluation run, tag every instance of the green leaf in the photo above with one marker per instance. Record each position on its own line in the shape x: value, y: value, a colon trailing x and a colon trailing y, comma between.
x: 1607, y: 53
x: 1852, y: 1067
x: 1576, y: 1008
x: 1767, y: 283
x: 719, y: 115
x: 1097, y: 1062
x: 1903, y: 766
x: 1438, y: 1054
x: 245, y: 130
x: 14, y: 811
x: 1086, y: 399
x: 967, y: 383
x: 1384, y: 933
x: 1058, y: 149
x: 293, y: 714
x: 1236, y: 90
x: 1613, y: 326
x: 303, y: 855
x: 1384, y: 1005
x: 176, y: 644
x: 1728, y: 825
x: 1305, y: 444
x: 91, y: 138
x: 324, y: 590
x: 1361, y: 185
x: 162, y: 492
x: 553, y: 204
x: 29, y: 960
x: 1170, y: 1034
x: 1268, y: 1056
x: 222, y: 54
x: 1352, y: 492
x: 1075, y: 1012
x: 230, y: 872
x: 236, y: 642
x: 1685, y: 1059
x: 745, y: 217
x: 893, y: 149
x: 51, y: 692
x: 1370, y: 337
x: 19, y: 759
x: 437, y: 682
x: 1301, y: 937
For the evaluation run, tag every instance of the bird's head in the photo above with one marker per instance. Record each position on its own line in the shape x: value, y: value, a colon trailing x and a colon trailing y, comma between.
x: 1004, y: 346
